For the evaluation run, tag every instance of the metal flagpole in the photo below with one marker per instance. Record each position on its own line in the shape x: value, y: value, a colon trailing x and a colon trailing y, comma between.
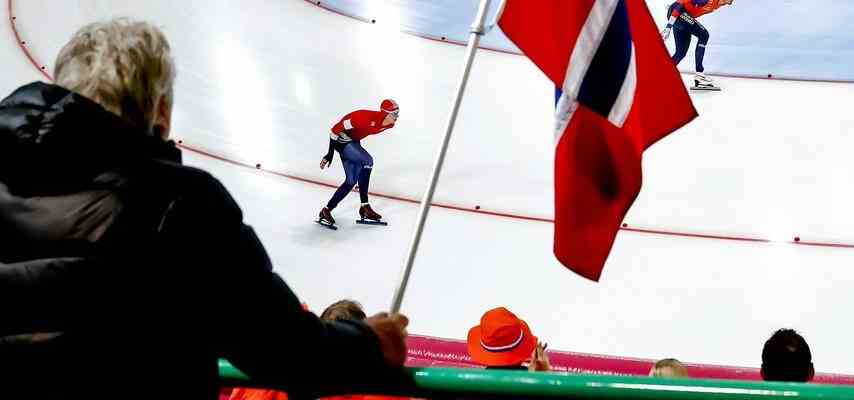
x: 477, y: 30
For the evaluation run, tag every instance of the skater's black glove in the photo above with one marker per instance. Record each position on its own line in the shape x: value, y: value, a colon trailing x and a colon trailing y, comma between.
x: 325, y: 162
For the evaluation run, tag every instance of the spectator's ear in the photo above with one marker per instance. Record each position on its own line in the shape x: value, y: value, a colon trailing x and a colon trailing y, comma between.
x: 762, y: 372
x: 812, y: 373
x: 163, y: 119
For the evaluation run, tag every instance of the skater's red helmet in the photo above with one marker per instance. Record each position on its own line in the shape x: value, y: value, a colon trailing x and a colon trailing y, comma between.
x: 389, y: 106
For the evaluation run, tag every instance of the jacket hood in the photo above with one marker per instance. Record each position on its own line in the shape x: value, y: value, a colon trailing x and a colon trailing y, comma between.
x: 52, y: 140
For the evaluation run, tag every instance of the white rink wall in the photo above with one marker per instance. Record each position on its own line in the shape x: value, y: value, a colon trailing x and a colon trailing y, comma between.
x: 792, y: 38
x: 262, y: 81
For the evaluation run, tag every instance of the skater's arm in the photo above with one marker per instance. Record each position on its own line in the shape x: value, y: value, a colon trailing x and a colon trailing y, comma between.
x: 330, y: 154
x: 677, y: 11
x: 334, y: 144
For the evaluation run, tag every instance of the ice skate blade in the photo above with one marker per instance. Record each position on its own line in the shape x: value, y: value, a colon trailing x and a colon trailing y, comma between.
x: 326, y: 225
x: 706, y: 89
x: 371, y: 222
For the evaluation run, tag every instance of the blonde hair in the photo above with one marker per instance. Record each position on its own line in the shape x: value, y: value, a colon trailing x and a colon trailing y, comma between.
x: 669, y: 368
x: 125, y: 66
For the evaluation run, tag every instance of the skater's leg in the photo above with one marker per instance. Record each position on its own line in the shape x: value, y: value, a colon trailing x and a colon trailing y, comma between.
x: 682, y: 30
x: 365, y: 175
x: 364, y: 182
x: 357, y: 154
x: 683, y: 42
x: 352, y: 170
x: 700, y: 52
x: 353, y: 159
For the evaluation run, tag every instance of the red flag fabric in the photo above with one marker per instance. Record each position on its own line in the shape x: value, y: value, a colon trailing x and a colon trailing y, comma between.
x: 619, y: 94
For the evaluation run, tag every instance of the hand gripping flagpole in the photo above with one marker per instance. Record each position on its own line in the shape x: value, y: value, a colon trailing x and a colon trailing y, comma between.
x: 477, y: 30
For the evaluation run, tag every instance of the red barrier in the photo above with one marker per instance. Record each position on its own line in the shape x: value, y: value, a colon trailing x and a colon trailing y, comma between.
x: 426, y: 351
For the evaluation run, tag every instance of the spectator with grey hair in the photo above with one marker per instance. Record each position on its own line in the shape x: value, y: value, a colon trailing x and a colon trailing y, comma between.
x: 117, y: 257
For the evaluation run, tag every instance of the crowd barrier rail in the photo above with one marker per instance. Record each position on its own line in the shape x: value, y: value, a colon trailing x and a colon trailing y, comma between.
x: 480, y: 383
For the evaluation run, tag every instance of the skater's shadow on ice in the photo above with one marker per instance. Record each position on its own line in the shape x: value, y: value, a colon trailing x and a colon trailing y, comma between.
x: 313, y: 234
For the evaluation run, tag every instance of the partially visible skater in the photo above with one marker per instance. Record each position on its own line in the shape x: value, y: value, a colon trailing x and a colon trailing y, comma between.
x: 682, y: 19
x: 345, y: 138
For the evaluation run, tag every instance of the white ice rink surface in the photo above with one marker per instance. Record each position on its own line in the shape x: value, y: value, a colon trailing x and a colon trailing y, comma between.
x: 262, y: 81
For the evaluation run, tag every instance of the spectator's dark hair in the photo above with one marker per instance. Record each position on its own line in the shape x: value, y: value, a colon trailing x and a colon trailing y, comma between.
x: 786, y: 357
x: 343, y: 310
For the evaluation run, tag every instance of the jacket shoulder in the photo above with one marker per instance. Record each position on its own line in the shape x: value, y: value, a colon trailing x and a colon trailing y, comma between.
x: 193, y: 186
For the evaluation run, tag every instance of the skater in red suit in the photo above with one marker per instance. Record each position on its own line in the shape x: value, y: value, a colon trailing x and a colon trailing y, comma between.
x: 345, y: 138
x: 682, y: 19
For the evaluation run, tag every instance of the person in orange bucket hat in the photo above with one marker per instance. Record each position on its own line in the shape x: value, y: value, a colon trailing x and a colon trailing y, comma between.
x: 502, y: 340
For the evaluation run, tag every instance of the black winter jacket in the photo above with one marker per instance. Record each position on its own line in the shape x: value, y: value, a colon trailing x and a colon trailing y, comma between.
x: 144, y: 267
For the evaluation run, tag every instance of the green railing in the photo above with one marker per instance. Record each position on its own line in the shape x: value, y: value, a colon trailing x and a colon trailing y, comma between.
x: 471, y: 383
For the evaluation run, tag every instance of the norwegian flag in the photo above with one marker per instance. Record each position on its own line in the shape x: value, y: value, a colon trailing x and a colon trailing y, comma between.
x: 618, y: 94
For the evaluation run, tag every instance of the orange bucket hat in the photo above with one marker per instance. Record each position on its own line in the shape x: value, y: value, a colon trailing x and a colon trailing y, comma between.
x: 501, y: 339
